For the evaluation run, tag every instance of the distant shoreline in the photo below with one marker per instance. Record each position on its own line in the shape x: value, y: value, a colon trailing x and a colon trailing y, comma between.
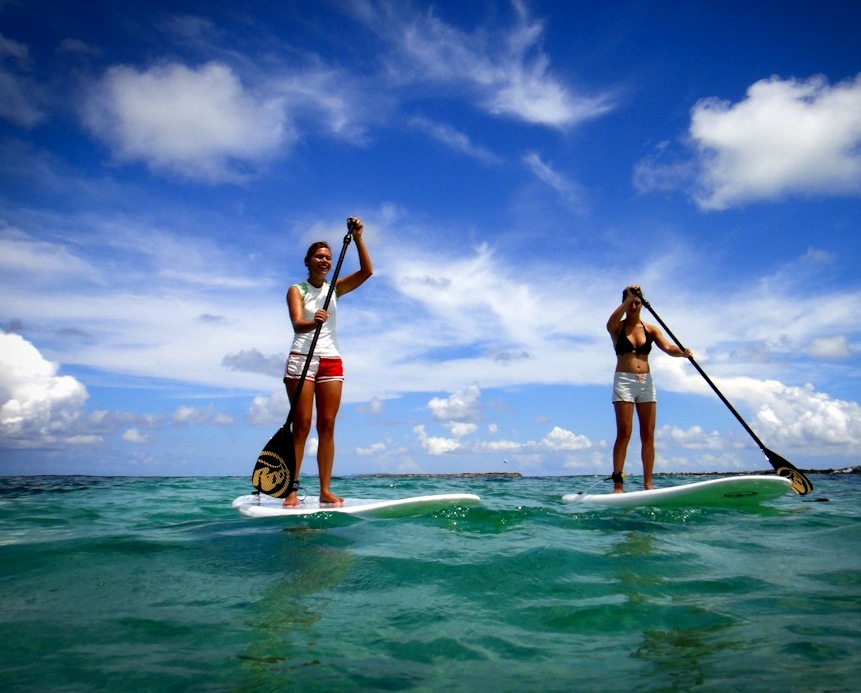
x: 428, y: 475
x: 518, y: 475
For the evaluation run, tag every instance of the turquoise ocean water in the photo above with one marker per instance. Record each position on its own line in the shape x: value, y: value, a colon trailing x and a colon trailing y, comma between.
x: 154, y: 584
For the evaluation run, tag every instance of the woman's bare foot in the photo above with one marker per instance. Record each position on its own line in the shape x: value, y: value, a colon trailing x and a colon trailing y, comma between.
x: 291, y: 501
x: 331, y: 498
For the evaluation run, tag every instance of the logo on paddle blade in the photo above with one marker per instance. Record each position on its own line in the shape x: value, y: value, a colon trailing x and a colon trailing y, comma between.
x: 273, y: 474
x: 800, y: 483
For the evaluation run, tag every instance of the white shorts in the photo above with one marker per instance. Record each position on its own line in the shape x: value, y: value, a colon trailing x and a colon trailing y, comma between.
x: 322, y: 369
x: 634, y: 387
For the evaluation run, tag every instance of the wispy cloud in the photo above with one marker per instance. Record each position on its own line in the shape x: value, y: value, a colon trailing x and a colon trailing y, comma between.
x: 454, y: 139
x: 185, y: 415
x: 569, y: 192
x: 21, y: 98
x: 504, y: 69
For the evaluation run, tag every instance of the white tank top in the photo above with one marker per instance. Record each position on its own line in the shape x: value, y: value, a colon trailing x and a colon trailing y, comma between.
x: 312, y: 301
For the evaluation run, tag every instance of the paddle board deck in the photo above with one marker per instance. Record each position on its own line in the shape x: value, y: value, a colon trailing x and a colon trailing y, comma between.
x: 727, y: 492
x: 266, y: 506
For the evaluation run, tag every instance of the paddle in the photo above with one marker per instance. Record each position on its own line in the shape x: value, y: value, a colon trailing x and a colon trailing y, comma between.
x: 275, y: 471
x: 800, y: 483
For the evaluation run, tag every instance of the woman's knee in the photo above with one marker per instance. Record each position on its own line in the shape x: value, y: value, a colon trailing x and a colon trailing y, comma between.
x: 623, y: 435
x: 301, y: 427
x: 624, y: 427
x: 325, y: 425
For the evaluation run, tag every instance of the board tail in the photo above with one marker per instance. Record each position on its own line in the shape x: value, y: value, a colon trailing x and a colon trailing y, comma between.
x: 275, y: 470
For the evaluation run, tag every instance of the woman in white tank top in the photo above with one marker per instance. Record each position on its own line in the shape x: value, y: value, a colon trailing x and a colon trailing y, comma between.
x: 324, y: 380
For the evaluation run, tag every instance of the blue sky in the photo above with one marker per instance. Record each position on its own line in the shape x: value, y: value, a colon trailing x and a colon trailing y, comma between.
x: 164, y: 166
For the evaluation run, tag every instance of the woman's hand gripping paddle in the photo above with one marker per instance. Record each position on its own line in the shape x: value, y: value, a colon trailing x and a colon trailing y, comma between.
x: 800, y: 483
x: 275, y: 471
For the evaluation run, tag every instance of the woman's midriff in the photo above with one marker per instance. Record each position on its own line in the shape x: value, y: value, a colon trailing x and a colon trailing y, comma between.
x: 632, y: 363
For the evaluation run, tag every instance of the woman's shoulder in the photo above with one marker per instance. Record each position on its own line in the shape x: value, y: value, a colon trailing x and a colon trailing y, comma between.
x: 616, y: 328
x: 299, y: 287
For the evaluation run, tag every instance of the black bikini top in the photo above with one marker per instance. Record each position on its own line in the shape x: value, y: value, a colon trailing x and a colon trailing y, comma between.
x: 624, y: 346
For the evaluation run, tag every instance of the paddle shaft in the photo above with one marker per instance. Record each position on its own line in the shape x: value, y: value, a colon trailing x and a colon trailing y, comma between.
x: 703, y: 373
x: 783, y: 467
x: 319, y: 327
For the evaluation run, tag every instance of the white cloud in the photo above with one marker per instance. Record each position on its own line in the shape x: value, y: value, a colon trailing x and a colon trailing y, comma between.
x: 560, y: 439
x: 556, y: 441
x: 801, y: 416
x: 185, y: 414
x: 461, y: 405
x: 269, y: 411
x: 460, y: 429
x: 693, y: 438
x: 501, y: 446
x: 201, y: 123
x: 200, y: 415
x: 787, y: 136
x: 133, y: 435
x: 252, y: 361
x: 783, y: 415
x: 836, y: 347
x: 434, y: 445
x: 37, y: 406
x: 373, y: 450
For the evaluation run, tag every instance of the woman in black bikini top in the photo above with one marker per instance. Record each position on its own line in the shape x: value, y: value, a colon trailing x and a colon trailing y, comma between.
x: 632, y: 382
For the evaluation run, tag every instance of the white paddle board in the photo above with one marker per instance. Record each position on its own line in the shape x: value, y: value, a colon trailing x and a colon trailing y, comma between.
x: 266, y: 506
x: 727, y: 492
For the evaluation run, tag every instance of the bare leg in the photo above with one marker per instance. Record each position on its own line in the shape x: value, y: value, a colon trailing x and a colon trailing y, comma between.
x: 647, y: 413
x: 300, y: 428
x: 624, y: 426
x: 328, y: 403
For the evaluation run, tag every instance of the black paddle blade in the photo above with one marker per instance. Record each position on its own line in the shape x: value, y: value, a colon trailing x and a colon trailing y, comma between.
x: 275, y: 470
x: 800, y: 483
